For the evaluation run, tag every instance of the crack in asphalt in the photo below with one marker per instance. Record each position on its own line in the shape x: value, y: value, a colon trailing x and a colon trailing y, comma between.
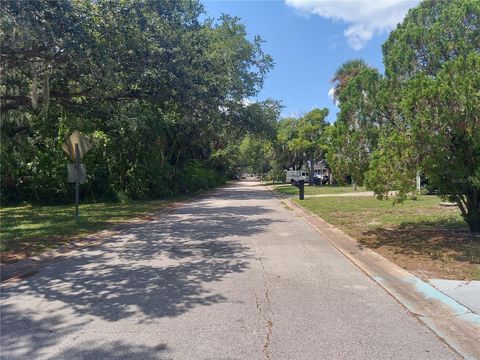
x: 265, y: 313
x: 269, y: 323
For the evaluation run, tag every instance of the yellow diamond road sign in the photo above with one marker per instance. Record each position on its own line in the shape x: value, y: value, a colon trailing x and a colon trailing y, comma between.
x: 83, y: 145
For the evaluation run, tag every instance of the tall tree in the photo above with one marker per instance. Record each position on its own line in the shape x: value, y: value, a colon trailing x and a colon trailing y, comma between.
x: 310, y: 131
x: 302, y: 137
x: 286, y: 131
x: 432, y: 62
x: 347, y: 71
x: 445, y: 131
x: 350, y: 142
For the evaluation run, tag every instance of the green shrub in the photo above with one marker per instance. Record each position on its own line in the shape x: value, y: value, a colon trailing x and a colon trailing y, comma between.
x: 197, y: 176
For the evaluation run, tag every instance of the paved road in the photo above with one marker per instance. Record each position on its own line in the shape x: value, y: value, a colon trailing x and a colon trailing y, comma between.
x: 235, y: 275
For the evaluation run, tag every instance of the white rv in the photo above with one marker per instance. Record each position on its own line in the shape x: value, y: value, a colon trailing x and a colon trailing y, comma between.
x: 295, y: 175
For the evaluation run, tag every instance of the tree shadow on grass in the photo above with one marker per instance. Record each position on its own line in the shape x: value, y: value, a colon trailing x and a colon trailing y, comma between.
x: 435, y: 239
x: 55, y: 223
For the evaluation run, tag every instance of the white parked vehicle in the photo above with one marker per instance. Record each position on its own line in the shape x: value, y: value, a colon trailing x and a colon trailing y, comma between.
x: 295, y: 175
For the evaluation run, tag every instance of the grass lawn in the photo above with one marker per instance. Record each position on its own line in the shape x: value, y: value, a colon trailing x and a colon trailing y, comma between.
x: 419, y: 235
x: 288, y: 189
x: 29, y: 230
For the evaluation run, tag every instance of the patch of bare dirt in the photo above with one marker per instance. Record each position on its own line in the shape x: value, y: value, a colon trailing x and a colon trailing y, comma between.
x: 428, y: 252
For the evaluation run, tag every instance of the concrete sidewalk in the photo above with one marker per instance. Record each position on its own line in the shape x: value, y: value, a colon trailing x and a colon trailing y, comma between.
x: 466, y: 293
x: 234, y: 275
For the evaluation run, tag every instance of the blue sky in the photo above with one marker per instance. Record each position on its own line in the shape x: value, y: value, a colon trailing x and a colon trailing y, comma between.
x: 309, y: 40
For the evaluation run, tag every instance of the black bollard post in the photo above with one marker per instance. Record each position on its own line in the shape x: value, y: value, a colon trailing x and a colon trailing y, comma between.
x: 301, y: 188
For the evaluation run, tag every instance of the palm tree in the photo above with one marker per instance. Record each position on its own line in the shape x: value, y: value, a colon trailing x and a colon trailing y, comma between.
x: 344, y: 74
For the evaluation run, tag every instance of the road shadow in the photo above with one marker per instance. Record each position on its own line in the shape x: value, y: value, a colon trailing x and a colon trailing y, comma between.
x: 114, y: 350
x: 24, y: 335
x: 157, y: 269
x: 28, y: 336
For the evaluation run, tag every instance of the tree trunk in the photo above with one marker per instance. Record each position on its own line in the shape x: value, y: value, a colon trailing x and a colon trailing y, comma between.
x: 354, y: 186
x: 46, y: 94
x: 34, y: 91
x: 472, y: 218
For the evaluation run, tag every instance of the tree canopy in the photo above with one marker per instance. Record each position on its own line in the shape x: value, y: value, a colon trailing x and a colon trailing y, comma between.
x: 422, y: 116
x: 154, y: 86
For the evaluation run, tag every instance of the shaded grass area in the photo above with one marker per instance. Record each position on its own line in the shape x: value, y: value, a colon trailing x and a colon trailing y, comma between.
x: 288, y: 189
x: 419, y: 235
x: 28, y: 230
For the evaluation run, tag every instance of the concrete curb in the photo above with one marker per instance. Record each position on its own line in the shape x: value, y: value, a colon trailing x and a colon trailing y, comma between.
x: 457, y: 325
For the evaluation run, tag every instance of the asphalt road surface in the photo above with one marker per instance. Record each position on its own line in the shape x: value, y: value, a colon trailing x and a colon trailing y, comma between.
x: 235, y: 275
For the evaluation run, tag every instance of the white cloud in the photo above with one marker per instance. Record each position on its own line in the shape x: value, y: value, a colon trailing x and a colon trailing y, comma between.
x: 331, y: 92
x: 365, y: 17
x: 330, y: 95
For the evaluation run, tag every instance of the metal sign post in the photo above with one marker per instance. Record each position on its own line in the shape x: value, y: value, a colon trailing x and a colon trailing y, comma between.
x: 76, y: 146
x: 77, y: 179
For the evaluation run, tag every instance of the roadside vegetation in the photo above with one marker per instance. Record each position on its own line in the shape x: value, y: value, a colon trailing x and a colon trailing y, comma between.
x: 430, y: 240
x: 158, y: 88
x: 420, y: 116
